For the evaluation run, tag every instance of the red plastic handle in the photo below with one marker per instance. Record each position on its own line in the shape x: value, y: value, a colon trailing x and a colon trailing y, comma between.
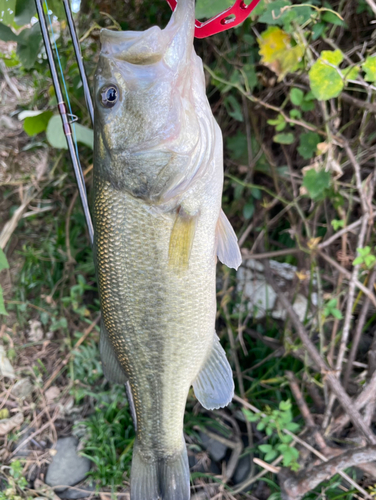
x: 227, y: 19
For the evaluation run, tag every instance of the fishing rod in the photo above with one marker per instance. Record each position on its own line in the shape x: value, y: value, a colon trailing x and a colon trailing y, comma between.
x: 79, y: 59
x: 66, y: 118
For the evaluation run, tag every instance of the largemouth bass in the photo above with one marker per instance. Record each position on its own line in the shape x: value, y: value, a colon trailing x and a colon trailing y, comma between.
x: 158, y: 175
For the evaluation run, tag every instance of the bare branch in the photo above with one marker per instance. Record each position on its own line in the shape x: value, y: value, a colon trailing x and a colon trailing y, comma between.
x: 372, y: 5
x: 360, y: 401
x: 358, y: 331
x: 294, y: 488
x: 332, y: 380
x: 348, y: 275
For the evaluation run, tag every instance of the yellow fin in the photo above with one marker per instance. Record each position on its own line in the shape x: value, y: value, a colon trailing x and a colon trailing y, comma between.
x: 181, y: 240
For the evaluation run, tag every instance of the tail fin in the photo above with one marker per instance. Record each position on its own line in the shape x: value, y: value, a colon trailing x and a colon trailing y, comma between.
x: 161, y: 479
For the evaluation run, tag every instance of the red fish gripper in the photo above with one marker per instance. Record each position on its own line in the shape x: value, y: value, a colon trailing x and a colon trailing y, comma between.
x: 227, y: 19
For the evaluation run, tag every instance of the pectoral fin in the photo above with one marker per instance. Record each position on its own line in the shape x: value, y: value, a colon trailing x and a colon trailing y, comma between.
x: 181, y: 240
x: 214, y: 385
x: 111, y: 367
x: 228, y: 250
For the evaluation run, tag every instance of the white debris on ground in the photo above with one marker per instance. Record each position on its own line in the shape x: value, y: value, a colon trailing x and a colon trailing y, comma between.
x: 6, y: 369
x: 35, y: 333
x: 259, y: 296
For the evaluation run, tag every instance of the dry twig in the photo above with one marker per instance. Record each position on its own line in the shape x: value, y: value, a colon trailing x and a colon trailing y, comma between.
x: 295, y: 487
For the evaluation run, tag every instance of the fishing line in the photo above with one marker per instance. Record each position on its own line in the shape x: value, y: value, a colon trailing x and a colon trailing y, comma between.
x: 66, y: 91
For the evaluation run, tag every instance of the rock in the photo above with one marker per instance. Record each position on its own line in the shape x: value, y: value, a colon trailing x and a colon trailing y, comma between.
x: 67, y: 467
x: 242, y: 470
x: 260, y: 298
x: 300, y: 307
x: 22, y: 389
x: 73, y: 494
x: 215, y: 449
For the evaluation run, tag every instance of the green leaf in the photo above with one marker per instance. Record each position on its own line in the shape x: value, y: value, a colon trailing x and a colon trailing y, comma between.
x: 316, y: 183
x: 56, y: 137
x: 251, y: 417
x: 296, y: 96
x: 260, y: 426
x: 208, y: 8
x: 351, y: 73
x: 270, y: 455
x: 247, y: 38
x: 285, y: 405
x: 332, y: 303
x: 337, y: 224
x: 3, y: 261
x: 337, y: 313
x: 237, y: 146
x: 272, y: 14
x: 256, y: 193
x: 325, y: 81
x: 6, y: 34
x: 25, y: 10
x: 286, y: 438
x: 308, y: 144
x: 265, y: 448
x: 248, y: 210
x: 292, y: 426
x: 57, y: 8
x: 308, y: 106
x: 34, y: 125
x: 28, y: 45
x: 279, y: 123
x: 369, y: 66
x: 295, y: 453
x: 295, y: 113
x: 283, y: 448
x: 2, y: 305
x: 318, y: 30
x: 370, y: 260
x: 233, y: 108
x: 288, y: 457
x: 284, y: 138
x: 332, y: 56
x: 7, y: 8
x: 58, y: 323
x: 269, y: 431
x: 330, y: 17
x: 251, y: 75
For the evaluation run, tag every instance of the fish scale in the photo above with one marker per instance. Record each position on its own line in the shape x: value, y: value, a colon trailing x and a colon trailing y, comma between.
x: 152, y: 321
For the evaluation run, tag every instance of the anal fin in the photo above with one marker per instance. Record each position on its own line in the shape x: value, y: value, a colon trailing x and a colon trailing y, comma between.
x: 214, y: 385
x: 228, y: 250
x: 112, y: 368
x: 181, y: 240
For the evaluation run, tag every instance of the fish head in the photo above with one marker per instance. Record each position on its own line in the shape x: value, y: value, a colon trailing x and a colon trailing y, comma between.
x: 145, y: 108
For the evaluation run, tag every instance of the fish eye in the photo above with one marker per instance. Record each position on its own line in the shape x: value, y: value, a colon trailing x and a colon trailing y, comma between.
x: 109, y: 95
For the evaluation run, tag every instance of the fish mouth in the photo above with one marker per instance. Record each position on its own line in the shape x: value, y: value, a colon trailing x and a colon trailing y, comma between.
x: 151, y: 46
